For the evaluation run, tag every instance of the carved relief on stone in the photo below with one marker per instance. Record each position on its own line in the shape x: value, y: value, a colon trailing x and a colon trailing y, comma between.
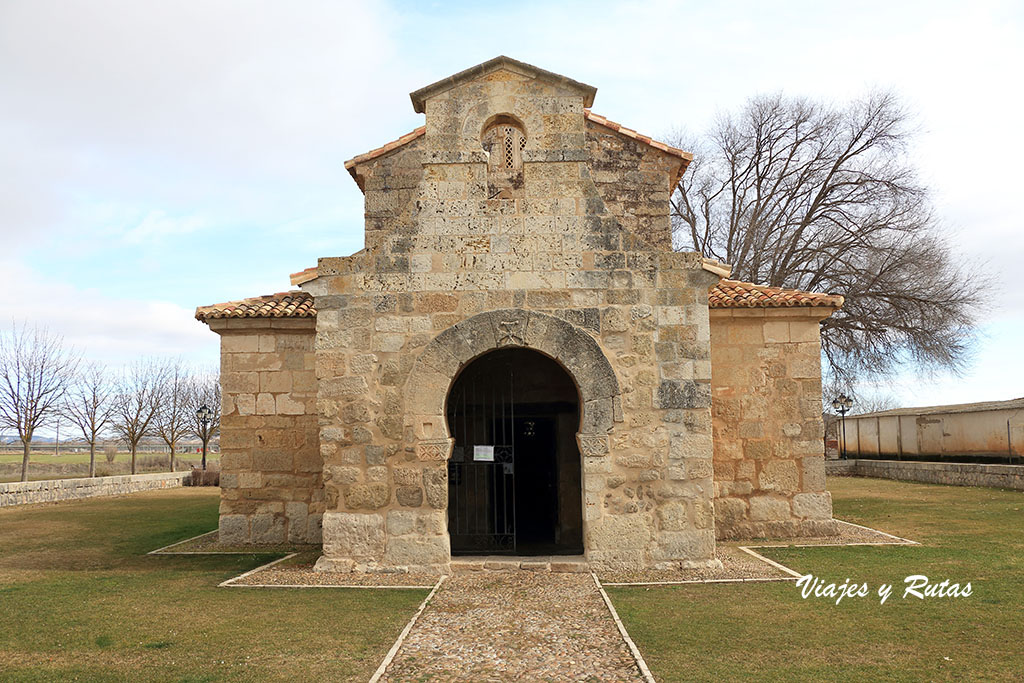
x: 434, y: 449
x: 511, y: 333
x: 592, y: 445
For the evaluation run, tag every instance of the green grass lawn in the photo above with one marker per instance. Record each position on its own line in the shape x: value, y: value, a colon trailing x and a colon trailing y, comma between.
x: 768, y: 631
x: 80, y: 599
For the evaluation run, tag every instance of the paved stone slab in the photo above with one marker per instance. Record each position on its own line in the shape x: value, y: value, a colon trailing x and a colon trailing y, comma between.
x: 515, y: 626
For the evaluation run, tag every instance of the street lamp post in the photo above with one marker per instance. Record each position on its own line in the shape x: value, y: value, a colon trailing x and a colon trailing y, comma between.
x: 203, y: 415
x: 842, y: 404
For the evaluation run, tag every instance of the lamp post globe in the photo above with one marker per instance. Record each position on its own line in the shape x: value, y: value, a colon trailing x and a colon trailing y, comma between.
x: 842, y: 404
x: 203, y: 414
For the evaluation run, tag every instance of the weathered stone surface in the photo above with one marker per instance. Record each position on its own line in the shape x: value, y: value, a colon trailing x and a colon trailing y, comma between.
x: 766, y: 416
x: 417, y: 550
x: 813, y: 505
x: 779, y: 476
x: 367, y: 496
x: 267, y: 528
x: 409, y: 496
x: 354, y: 536
x: 619, y: 532
x: 769, y: 508
x: 684, y: 545
x: 234, y: 529
x: 435, y: 483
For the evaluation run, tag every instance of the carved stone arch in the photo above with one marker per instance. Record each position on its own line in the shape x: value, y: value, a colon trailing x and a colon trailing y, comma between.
x: 482, y: 115
x: 440, y: 362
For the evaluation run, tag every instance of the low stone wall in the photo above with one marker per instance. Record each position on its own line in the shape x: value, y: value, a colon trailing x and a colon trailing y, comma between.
x: 840, y: 468
x: 953, y: 474
x: 53, y: 490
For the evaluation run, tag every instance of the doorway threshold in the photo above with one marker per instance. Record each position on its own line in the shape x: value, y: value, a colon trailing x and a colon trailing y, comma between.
x: 559, y: 564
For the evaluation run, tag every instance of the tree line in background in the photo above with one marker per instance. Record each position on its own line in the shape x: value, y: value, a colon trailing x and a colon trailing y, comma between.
x: 42, y: 381
x: 809, y: 195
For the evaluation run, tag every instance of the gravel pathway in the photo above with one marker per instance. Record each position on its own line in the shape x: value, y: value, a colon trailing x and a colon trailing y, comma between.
x: 515, y: 626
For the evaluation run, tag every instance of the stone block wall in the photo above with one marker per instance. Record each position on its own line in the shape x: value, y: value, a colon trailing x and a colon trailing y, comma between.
x: 570, y: 259
x: 271, y: 469
x: 768, y: 431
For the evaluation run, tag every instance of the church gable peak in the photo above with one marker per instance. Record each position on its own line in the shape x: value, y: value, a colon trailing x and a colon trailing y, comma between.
x: 499, y: 68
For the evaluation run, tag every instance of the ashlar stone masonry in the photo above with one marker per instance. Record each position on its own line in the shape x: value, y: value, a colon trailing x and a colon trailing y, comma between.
x: 516, y: 218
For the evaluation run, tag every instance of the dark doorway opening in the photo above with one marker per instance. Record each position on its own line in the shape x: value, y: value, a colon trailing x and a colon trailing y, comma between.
x: 514, y: 479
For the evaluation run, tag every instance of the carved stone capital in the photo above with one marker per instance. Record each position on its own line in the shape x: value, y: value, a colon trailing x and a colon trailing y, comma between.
x: 434, y: 449
x: 592, y: 445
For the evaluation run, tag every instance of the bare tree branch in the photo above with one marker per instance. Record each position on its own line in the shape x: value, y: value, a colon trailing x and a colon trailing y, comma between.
x: 35, y: 373
x: 204, y: 392
x: 89, y: 406
x: 172, y: 419
x: 795, y: 193
x: 137, y: 403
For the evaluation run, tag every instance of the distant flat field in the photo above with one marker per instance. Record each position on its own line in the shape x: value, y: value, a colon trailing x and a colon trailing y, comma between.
x: 75, y: 458
x: 74, y: 465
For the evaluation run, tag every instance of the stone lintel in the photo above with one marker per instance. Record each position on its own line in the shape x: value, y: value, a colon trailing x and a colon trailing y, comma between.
x: 790, y: 312
x: 241, y: 325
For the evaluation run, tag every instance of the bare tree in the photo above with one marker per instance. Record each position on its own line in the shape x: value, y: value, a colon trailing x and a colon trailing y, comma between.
x: 204, y: 408
x: 172, y: 420
x: 35, y: 372
x: 89, y: 406
x: 137, y: 403
x: 800, y: 194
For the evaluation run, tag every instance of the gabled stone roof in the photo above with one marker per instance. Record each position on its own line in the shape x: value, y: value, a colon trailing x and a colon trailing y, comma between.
x: 736, y: 294
x: 726, y: 294
x: 420, y: 96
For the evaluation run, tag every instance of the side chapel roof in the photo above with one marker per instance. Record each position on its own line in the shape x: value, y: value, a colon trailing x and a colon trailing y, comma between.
x: 726, y: 294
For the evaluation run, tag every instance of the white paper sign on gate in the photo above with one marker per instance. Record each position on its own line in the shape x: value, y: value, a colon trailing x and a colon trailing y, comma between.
x: 483, y: 453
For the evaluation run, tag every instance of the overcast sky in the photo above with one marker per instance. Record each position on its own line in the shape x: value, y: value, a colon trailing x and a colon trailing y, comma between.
x: 160, y: 156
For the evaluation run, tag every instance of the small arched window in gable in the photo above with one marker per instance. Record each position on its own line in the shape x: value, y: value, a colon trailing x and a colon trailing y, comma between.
x: 504, y: 141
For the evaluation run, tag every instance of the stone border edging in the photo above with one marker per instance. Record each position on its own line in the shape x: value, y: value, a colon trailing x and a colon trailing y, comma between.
x: 390, y: 656
x: 793, y: 575
x: 58, y: 490
x: 634, y: 650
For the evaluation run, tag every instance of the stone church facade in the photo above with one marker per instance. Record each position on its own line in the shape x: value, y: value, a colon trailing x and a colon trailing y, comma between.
x: 518, y: 362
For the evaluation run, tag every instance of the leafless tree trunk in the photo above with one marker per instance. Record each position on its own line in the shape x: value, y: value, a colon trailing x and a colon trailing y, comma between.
x: 205, y: 392
x: 172, y: 418
x: 137, y: 403
x: 90, y: 405
x: 799, y: 194
x: 35, y: 372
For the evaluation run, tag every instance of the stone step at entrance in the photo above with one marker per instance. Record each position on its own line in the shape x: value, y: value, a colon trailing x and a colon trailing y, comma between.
x: 558, y: 564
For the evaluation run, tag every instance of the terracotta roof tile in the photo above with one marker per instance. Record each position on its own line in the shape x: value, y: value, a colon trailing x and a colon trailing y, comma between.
x: 303, y: 276
x: 736, y: 294
x: 726, y: 294
x: 381, y: 151
x: 630, y: 133
x: 294, y: 304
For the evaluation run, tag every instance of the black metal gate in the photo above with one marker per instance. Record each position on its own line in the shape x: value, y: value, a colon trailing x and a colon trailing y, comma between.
x: 481, y: 471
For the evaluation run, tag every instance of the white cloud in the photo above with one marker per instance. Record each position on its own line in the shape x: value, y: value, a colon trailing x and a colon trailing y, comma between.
x: 115, y: 331
x: 156, y: 225
x: 159, y: 136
